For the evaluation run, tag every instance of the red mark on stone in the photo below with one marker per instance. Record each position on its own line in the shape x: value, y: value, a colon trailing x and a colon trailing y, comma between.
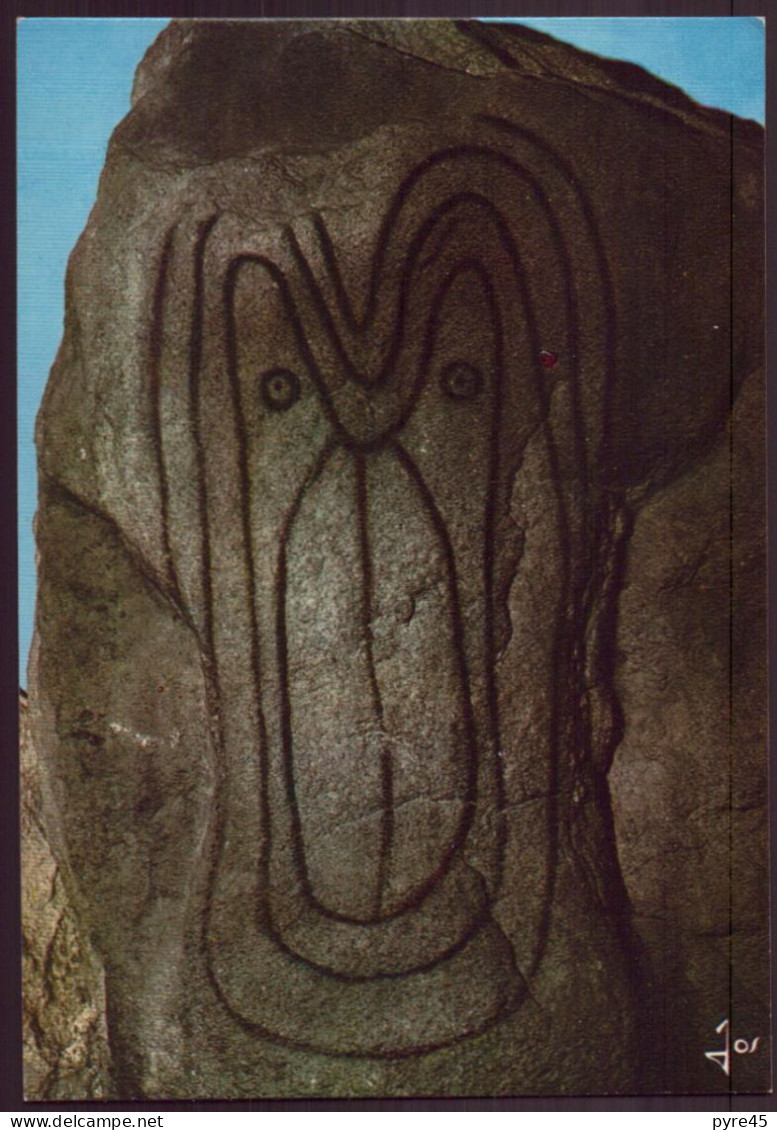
x: 548, y: 359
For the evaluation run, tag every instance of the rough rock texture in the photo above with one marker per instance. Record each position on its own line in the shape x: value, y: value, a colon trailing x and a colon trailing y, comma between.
x: 689, y: 779
x: 65, y: 1043
x: 398, y: 359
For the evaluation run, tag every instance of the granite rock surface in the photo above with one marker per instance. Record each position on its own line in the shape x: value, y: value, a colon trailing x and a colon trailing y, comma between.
x: 383, y: 464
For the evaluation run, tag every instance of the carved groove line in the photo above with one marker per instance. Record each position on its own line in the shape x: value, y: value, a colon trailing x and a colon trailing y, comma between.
x: 366, y: 609
x: 564, y: 642
x: 369, y: 313
x: 195, y: 362
x: 610, y: 509
x: 345, y: 441
x: 326, y: 317
x: 155, y: 359
x: 472, y: 765
x: 355, y: 324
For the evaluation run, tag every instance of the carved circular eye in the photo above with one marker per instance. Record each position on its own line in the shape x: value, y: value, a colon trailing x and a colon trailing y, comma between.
x: 461, y: 381
x: 280, y: 389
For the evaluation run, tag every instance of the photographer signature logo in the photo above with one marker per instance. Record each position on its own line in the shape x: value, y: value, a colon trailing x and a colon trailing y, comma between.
x: 722, y: 1056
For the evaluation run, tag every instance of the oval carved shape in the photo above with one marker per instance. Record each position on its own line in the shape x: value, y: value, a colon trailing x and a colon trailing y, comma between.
x: 381, y: 750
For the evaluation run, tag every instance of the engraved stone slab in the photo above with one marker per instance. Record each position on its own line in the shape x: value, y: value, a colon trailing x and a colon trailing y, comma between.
x: 339, y: 473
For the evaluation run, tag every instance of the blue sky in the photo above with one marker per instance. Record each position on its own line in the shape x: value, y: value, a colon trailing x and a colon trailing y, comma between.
x: 718, y: 61
x: 74, y: 83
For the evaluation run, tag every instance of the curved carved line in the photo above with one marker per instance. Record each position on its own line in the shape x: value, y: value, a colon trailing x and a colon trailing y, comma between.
x: 602, y: 262
x: 605, y: 661
x: 440, y: 298
x: 387, y: 768
x: 479, y: 919
x: 487, y: 945
x: 330, y: 258
x: 484, y: 277
x: 281, y: 282
x: 484, y: 154
x: 422, y: 892
x: 416, y: 249
x: 511, y: 998
x: 510, y: 248
x: 156, y: 338
x: 195, y: 363
x: 252, y: 257
x: 598, y: 540
x: 278, y: 276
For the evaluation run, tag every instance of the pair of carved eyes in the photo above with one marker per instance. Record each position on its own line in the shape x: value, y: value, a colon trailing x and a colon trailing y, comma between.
x: 280, y: 388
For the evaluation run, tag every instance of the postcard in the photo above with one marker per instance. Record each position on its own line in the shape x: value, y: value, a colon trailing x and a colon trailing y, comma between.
x: 395, y: 718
